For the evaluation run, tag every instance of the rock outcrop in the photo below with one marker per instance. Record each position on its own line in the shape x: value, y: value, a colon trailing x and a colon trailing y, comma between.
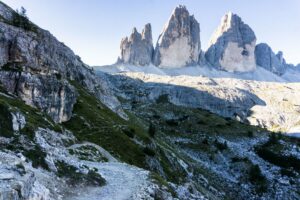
x: 232, y: 46
x: 38, y: 68
x: 18, y: 121
x: 18, y: 182
x: 266, y: 58
x: 179, y: 43
x: 138, y: 48
x: 54, y: 97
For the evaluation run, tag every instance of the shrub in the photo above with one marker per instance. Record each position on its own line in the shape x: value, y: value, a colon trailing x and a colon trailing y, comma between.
x: 287, y: 172
x: 250, y: 134
x: 92, y: 178
x: 37, y: 156
x: 21, y: 168
x: 5, y: 122
x: 278, y: 159
x: 205, y: 141
x: 149, y: 151
x: 201, y: 122
x: 220, y: 146
x: 20, y: 19
x: 257, y: 179
x: 151, y: 130
x: 163, y: 99
x: 172, y: 122
x: 273, y: 139
x: 130, y: 132
x: 239, y: 159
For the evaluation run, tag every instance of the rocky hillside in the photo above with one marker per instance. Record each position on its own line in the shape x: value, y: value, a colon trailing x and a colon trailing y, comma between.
x: 69, y: 133
x: 270, y: 105
x: 35, y: 65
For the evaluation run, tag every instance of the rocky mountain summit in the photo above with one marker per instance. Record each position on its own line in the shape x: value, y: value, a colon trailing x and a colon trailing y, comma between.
x: 138, y: 48
x: 266, y: 58
x: 232, y: 45
x: 179, y: 43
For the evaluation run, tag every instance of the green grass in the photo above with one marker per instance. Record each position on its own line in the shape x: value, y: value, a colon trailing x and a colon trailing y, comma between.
x: 93, y: 122
x: 89, y: 153
x: 75, y: 178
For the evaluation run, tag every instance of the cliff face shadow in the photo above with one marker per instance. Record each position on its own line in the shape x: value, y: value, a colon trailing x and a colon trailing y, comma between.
x: 236, y: 102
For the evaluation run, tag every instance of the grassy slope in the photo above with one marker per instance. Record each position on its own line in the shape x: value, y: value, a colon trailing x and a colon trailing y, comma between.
x: 94, y: 122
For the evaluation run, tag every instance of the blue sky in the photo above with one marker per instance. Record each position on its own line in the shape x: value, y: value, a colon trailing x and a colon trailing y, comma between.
x: 94, y: 28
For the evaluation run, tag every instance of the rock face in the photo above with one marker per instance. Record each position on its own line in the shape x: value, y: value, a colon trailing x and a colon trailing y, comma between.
x: 138, y: 48
x: 17, y: 182
x: 18, y: 121
x: 232, y: 46
x: 179, y: 43
x: 208, y: 95
x: 38, y: 68
x: 267, y: 59
x: 54, y: 97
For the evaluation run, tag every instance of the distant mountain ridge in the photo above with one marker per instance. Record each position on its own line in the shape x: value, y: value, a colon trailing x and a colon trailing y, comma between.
x: 232, y: 47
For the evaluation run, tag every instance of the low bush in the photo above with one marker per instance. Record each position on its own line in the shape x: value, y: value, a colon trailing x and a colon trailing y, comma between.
x: 257, y: 179
x: 149, y: 151
x: 151, y: 130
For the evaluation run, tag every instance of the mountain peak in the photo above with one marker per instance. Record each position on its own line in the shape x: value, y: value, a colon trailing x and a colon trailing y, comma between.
x: 138, y: 49
x: 179, y: 43
x: 147, y: 33
x: 232, y: 45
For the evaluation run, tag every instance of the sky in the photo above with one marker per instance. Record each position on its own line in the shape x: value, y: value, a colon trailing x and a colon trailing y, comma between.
x: 93, y: 29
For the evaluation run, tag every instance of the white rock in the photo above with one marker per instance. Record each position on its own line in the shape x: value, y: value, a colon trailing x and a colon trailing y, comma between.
x: 18, y: 121
x: 179, y: 43
x: 232, y: 46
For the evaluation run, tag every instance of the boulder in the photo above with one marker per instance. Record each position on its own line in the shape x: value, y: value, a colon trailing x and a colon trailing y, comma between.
x: 179, y: 43
x: 138, y: 48
x: 18, y: 121
x: 232, y: 46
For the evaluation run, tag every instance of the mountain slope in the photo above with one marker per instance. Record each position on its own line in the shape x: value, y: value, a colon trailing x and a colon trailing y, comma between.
x: 69, y: 133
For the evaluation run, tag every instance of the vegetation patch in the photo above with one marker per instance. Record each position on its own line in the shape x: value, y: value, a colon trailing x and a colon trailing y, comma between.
x: 37, y: 156
x: 89, y: 153
x: 23, y: 142
x: 75, y: 177
x: 20, y: 19
x: 285, y: 161
x: 12, y: 67
x: 93, y: 122
x: 257, y: 179
x: 6, y: 129
x: 271, y: 151
x: 163, y: 99
x: 221, y: 146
